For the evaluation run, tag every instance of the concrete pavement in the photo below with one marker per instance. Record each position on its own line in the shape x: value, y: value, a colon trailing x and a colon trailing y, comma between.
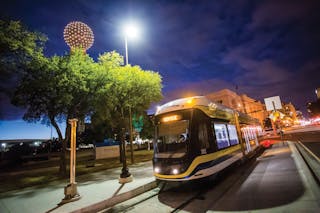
x: 101, y: 190
x: 277, y: 181
x: 97, y: 191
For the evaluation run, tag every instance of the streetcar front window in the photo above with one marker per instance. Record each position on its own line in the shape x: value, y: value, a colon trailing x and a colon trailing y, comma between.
x: 172, y: 139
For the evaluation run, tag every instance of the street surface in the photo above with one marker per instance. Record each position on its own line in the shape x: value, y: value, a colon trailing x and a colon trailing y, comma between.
x: 309, y: 136
x: 277, y: 181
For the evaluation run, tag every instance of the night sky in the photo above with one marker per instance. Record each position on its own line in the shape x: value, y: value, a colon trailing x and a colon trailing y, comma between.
x: 264, y: 48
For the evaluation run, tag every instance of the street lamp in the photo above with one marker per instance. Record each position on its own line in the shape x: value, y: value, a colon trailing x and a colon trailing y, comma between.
x: 130, y: 31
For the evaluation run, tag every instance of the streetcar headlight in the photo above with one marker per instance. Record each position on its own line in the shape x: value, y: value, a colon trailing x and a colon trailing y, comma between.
x: 157, y: 170
x: 175, y: 171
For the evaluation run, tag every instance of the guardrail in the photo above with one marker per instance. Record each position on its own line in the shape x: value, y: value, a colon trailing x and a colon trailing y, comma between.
x: 311, y: 159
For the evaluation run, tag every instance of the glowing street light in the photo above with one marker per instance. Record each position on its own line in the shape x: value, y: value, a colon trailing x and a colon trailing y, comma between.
x: 130, y: 30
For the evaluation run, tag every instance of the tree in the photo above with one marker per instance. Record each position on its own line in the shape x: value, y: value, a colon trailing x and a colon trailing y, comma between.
x: 148, y: 127
x: 131, y: 90
x: 18, y: 46
x: 126, y: 87
x: 74, y: 86
x: 57, y: 89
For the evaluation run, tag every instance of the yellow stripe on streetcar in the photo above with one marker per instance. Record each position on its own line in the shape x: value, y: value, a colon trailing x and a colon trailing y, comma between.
x: 200, y: 159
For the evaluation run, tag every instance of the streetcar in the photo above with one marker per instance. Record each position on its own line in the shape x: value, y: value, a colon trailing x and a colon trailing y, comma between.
x: 196, y: 138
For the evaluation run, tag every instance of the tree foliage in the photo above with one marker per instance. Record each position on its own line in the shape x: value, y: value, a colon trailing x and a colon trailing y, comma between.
x: 58, y: 88
x: 74, y: 86
x: 128, y: 88
x: 18, y: 46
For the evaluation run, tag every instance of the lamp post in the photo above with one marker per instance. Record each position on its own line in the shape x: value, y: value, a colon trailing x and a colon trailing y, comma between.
x: 125, y: 176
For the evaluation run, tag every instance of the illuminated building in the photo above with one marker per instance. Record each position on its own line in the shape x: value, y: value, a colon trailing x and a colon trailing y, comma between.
x: 242, y: 103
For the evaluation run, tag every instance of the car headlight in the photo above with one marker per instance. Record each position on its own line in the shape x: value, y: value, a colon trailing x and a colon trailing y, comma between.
x: 175, y: 171
x: 157, y: 170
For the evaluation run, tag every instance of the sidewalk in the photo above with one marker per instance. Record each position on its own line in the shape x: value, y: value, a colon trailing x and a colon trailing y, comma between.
x: 97, y: 190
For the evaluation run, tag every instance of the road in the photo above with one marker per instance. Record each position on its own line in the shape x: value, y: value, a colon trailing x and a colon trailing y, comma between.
x: 277, y: 181
x: 309, y: 136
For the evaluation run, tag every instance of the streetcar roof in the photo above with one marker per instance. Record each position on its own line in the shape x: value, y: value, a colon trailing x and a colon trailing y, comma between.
x: 191, y: 102
x: 211, y: 108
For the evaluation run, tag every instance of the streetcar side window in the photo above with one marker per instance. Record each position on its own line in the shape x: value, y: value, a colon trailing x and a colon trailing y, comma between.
x: 233, y: 137
x: 222, y: 137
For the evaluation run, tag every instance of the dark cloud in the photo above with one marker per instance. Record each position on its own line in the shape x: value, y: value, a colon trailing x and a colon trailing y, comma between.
x: 272, y: 13
x: 197, y: 88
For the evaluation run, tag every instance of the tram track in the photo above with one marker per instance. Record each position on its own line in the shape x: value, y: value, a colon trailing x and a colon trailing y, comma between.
x: 171, y: 193
x: 222, y: 184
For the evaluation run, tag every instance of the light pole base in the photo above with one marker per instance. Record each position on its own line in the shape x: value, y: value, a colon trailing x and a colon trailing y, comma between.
x: 125, y: 179
x: 71, y: 193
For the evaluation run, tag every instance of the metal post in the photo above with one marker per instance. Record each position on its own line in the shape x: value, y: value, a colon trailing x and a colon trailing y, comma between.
x: 70, y: 191
x: 126, y: 44
x: 236, y: 118
x: 273, y: 122
x: 125, y: 175
x: 131, y: 132
x: 73, y: 124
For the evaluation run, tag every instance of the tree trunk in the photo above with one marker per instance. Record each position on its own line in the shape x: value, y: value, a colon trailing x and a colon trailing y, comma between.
x: 62, y: 167
x: 131, y: 136
x: 63, y: 161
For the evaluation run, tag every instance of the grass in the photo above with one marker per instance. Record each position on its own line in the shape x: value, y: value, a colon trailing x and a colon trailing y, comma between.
x: 46, y: 172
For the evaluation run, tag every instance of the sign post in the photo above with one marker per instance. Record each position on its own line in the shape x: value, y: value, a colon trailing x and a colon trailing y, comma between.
x: 272, y: 104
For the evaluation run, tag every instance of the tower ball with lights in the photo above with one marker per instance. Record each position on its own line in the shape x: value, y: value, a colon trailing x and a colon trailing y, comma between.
x: 78, y: 35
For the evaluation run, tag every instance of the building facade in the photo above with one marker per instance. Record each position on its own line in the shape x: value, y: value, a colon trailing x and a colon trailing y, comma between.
x: 242, y: 103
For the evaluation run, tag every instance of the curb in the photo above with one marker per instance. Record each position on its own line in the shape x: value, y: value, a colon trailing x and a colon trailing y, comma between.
x: 117, y: 199
x: 312, y: 161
